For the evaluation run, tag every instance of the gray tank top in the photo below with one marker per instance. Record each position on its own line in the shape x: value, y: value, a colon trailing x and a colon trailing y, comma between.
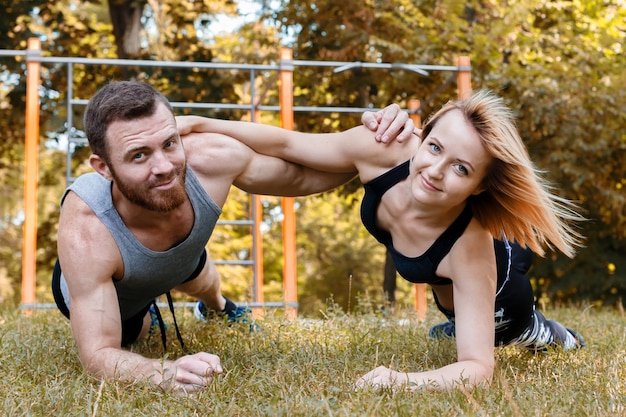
x: 147, y: 274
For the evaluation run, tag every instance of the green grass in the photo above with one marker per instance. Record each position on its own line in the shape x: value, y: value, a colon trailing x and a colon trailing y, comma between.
x: 307, y: 368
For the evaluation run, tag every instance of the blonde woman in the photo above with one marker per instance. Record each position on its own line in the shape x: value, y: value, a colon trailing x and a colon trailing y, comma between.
x: 457, y: 211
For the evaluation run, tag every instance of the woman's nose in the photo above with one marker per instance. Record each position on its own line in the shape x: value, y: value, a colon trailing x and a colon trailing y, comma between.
x: 436, y: 170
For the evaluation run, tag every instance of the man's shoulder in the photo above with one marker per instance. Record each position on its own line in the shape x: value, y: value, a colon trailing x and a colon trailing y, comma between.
x: 89, y: 192
x: 89, y: 179
x: 212, y: 154
x: 92, y: 188
x: 77, y: 212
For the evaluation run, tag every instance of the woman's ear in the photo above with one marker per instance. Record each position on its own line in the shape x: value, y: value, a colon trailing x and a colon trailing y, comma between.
x: 101, y: 167
x: 482, y: 187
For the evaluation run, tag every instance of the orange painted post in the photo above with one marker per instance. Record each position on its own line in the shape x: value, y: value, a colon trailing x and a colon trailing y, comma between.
x: 290, y: 283
x: 414, y: 112
x: 464, y: 77
x: 421, y: 299
x: 257, y: 212
x: 31, y: 158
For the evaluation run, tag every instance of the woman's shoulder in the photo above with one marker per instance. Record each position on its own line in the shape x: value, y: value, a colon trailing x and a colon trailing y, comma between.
x: 474, y: 246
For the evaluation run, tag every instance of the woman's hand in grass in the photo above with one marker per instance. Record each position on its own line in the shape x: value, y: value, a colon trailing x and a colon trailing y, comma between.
x: 381, y: 377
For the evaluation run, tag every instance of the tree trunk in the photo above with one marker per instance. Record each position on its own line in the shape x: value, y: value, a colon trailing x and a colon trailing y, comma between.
x: 126, y: 20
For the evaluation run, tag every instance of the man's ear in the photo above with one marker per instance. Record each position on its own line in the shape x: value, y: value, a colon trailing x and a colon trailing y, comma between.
x: 100, y: 166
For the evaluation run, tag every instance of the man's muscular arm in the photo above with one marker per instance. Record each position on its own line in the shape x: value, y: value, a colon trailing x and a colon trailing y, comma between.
x: 89, y: 259
x: 220, y: 161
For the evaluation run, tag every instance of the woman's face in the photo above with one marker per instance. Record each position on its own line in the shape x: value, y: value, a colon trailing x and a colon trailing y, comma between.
x: 450, y: 164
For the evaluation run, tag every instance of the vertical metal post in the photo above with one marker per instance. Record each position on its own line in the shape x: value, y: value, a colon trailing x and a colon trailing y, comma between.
x: 70, y: 123
x: 421, y: 300
x: 414, y: 112
x: 464, y: 77
x: 256, y: 209
x: 257, y: 247
x: 290, y: 283
x: 31, y: 158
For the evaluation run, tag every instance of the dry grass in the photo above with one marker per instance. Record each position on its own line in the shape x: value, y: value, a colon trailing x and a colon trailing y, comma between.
x: 307, y: 368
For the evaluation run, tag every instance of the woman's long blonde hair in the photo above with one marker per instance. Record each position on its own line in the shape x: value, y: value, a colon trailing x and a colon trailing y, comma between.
x: 517, y: 204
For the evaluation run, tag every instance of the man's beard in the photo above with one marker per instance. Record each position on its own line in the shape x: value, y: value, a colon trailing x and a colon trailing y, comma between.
x: 167, y: 200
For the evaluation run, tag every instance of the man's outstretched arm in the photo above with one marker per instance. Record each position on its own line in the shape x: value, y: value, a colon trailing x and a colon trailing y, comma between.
x: 220, y: 161
x: 89, y: 259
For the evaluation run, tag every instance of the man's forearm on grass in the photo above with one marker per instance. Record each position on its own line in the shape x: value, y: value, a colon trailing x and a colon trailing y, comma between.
x: 120, y: 365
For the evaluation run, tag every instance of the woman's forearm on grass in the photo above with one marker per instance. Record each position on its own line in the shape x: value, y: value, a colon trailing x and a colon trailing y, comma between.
x: 466, y: 373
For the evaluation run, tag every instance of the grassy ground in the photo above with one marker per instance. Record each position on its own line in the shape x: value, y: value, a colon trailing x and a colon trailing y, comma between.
x: 307, y: 368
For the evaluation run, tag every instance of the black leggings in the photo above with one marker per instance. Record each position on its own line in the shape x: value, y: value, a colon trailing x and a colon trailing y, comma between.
x: 514, y: 307
x: 516, y: 320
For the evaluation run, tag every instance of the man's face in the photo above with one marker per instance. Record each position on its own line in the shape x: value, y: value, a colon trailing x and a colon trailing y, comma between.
x: 147, y: 161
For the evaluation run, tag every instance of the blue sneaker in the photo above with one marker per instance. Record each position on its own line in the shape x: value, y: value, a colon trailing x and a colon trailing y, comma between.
x: 233, y: 314
x: 154, y: 320
x: 445, y: 330
x: 200, y: 311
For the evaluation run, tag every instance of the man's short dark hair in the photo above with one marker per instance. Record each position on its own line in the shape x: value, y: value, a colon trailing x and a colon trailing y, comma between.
x: 119, y: 100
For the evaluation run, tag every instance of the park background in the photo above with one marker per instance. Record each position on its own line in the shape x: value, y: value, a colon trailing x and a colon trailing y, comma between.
x: 559, y: 64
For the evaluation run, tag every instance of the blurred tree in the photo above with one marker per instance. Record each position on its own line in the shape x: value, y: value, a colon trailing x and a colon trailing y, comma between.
x: 126, y: 20
x: 14, y: 32
x: 83, y: 29
x: 562, y: 72
x: 559, y: 63
x: 337, y: 259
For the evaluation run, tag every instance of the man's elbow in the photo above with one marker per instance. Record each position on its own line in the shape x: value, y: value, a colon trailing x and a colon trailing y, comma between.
x: 95, y: 363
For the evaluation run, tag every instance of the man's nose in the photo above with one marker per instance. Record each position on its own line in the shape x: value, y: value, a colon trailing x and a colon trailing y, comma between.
x: 161, y: 164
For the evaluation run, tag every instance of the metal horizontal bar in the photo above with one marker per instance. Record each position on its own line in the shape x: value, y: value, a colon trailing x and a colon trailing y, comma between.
x: 274, y: 304
x: 378, y: 65
x: 9, y: 52
x: 270, y: 304
x: 236, y: 222
x: 243, y: 263
x: 308, y: 109
x: 229, y: 65
x: 149, y: 63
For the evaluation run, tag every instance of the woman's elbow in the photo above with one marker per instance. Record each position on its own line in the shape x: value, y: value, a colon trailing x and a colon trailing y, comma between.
x: 482, y: 373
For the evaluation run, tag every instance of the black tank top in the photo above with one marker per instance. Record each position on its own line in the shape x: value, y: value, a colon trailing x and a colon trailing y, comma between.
x: 420, y: 269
